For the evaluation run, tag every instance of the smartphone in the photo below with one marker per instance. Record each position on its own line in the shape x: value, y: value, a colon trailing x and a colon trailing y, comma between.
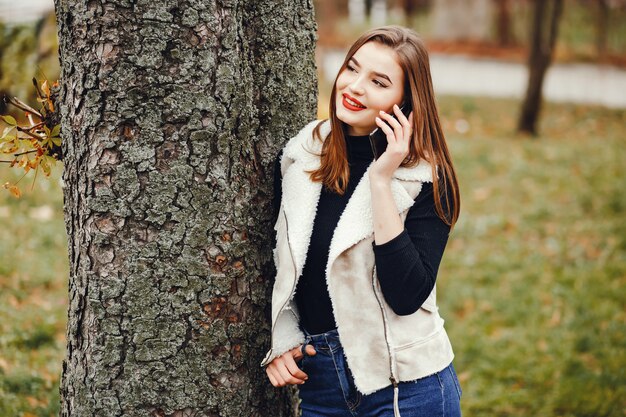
x: 378, y: 138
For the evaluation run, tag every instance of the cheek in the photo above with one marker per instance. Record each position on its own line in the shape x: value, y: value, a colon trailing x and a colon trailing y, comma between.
x: 343, y: 80
x: 387, y: 101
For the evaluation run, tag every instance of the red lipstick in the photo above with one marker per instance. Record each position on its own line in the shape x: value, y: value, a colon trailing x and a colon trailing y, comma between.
x: 352, y: 107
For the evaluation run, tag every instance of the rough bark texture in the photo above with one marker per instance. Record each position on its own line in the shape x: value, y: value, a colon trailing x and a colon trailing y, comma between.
x: 173, y: 111
x: 546, y: 16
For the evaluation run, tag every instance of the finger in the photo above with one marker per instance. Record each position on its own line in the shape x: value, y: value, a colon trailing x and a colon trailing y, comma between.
x: 294, y: 369
x: 286, y: 374
x: 395, y: 124
x: 271, y: 377
x: 401, y: 117
x: 296, y: 353
x: 391, y: 138
x: 406, y: 125
x: 278, y: 376
x: 311, y: 351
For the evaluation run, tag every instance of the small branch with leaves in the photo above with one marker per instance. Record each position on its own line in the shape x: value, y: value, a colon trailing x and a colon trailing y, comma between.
x: 37, y: 143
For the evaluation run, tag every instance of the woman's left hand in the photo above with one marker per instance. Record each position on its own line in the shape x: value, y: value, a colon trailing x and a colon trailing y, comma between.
x: 398, y: 140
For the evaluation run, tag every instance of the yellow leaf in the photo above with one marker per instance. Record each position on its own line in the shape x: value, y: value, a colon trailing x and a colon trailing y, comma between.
x: 9, y: 149
x: 6, y: 132
x: 45, y: 88
x: 15, y: 191
x: 56, y: 130
x: 45, y: 167
x: 52, y: 161
x: 9, y: 120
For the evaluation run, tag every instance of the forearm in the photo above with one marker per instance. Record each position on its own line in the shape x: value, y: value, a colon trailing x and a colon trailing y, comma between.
x: 387, y: 222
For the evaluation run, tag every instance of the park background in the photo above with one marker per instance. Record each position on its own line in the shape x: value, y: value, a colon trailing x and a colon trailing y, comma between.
x: 532, y: 281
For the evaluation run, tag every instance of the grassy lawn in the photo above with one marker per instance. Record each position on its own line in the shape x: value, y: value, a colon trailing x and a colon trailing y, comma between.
x: 531, y: 285
x: 33, y: 295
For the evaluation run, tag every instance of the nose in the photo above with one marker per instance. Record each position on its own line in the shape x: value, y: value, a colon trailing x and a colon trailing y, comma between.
x: 356, y: 86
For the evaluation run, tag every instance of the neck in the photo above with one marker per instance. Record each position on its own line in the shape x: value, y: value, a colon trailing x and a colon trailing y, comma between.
x: 359, y: 148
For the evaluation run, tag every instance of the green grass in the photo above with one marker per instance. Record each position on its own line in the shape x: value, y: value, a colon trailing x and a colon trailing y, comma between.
x: 532, y: 281
x: 531, y: 284
x: 33, y: 295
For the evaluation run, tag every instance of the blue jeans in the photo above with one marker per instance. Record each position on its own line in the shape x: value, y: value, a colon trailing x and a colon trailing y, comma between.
x: 330, y: 389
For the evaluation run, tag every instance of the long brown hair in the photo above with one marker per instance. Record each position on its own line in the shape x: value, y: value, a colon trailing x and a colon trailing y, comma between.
x: 428, y: 141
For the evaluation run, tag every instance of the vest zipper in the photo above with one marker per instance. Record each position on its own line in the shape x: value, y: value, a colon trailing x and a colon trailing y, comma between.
x: 396, y: 409
x: 292, y: 287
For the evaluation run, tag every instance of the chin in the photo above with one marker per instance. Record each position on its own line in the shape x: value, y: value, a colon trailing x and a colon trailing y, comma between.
x: 351, y: 120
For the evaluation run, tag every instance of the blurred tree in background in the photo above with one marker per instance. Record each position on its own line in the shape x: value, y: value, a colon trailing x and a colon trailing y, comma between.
x: 27, y: 51
x: 544, y: 32
x: 592, y: 30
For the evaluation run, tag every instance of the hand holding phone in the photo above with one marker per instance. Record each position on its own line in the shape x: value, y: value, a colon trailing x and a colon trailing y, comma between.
x: 378, y: 138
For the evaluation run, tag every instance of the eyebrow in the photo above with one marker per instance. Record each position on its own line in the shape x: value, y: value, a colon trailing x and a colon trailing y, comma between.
x: 379, y: 74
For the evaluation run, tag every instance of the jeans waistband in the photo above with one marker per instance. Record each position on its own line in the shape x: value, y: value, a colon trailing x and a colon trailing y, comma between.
x: 330, y: 338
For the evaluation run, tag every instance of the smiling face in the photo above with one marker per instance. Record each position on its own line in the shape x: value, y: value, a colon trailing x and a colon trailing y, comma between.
x: 372, y: 81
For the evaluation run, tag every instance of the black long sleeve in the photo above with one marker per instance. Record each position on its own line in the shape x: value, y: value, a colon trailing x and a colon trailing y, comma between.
x: 407, y: 265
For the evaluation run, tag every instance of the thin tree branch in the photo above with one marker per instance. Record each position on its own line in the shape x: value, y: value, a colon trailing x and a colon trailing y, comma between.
x: 28, y: 132
x: 25, y: 152
x: 21, y: 105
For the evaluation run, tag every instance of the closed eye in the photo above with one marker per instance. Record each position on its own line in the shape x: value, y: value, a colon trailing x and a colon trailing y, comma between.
x: 379, y: 84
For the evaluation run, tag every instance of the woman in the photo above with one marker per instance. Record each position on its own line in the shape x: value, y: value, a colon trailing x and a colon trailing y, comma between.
x: 359, y: 241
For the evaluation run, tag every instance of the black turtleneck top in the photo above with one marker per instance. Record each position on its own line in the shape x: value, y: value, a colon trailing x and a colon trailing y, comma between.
x: 406, y: 266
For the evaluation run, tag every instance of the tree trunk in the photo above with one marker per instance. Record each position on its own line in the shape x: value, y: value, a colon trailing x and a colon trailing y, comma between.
x: 503, y: 22
x: 543, y: 40
x: 326, y: 17
x: 411, y: 7
x: 602, y: 28
x: 172, y: 115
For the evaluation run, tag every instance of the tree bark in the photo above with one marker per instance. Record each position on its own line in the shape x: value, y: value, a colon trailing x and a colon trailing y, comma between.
x: 543, y: 40
x: 172, y: 115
